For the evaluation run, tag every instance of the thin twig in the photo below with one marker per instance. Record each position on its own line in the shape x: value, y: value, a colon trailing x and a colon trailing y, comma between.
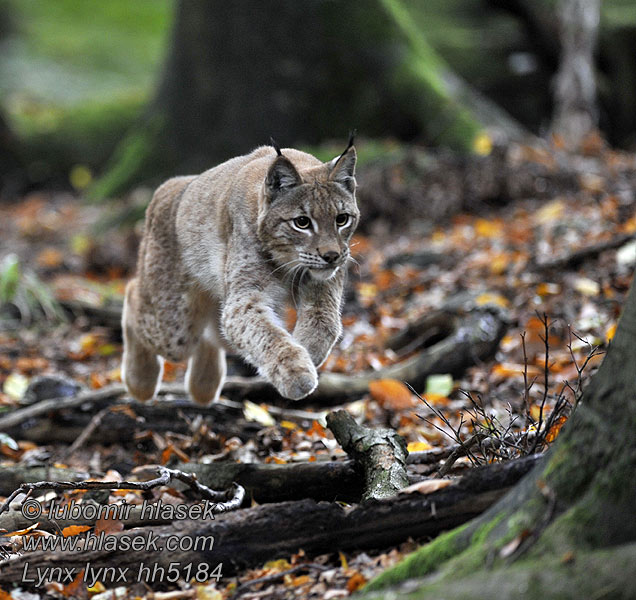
x: 88, y: 431
x: 225, y: 501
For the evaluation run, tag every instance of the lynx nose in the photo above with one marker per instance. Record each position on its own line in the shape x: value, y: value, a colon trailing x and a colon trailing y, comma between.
x: 331, y: 256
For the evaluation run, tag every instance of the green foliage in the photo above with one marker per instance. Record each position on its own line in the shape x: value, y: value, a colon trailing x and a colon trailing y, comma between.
x: 9, y: 278
x: 74, y: 76
x: 22, y: 289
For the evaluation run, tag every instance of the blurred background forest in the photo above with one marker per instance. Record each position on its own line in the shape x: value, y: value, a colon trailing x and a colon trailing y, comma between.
x: 105, y: 95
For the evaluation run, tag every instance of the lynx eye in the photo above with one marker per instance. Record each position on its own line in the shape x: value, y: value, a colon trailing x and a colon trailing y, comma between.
x: 342, y: 219
x: 302, y: 222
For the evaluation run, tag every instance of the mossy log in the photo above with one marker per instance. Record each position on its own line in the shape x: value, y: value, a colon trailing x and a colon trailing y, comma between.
x: 565, y: 519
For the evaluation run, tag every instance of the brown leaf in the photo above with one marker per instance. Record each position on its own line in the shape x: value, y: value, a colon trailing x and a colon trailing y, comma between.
x: 106, y: 526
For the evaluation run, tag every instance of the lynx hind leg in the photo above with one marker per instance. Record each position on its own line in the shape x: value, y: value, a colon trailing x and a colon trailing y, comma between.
x: 141, y: 368
x: 206, y: 371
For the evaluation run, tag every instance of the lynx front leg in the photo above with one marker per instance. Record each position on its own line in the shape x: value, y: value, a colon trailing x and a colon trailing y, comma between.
x: 141, y: 367
x: 206, y: 372
x: 250, y: 326
x: 318, y: 325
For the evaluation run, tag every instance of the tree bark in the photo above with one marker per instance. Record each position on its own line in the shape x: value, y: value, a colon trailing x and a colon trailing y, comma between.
x: 575, y: 111
x: 578, y: 502
x: 302, y: 72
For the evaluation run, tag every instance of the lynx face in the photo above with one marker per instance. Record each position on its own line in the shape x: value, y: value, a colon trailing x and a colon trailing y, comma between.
x: 307, y: 219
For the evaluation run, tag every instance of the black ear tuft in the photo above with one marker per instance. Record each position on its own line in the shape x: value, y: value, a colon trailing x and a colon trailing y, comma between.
x: 276, y: 147
x: 343, y: 168
x: 352, y: 135
x: 282, y: 175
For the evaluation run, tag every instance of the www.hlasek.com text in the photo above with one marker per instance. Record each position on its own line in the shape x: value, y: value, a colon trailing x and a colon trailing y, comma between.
x: 144, y: 542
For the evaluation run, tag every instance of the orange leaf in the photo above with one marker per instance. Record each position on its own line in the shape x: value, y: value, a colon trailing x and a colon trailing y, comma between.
x: 356, y: 581
x: 515, y: 370
x: 5, y: 595
x: 97, y: 380
x: 555, y: 429
x: 391, y: 394
x: 317, y: 429
x: 291, y: 581
x: 72, y: 530
x: 489, y: 229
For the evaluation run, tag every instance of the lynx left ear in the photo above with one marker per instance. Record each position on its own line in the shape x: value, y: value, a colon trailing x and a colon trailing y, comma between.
x: 282, y: 175
x: 343, y: 168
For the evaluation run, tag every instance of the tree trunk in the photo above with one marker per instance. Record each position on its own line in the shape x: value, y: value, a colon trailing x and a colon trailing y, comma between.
x: 302, y: 72
x: 554, y: 534
x: 575, y: 111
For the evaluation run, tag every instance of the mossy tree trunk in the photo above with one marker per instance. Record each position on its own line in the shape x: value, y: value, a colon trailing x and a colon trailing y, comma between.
x: 567, y: 530
x: 302, y: 72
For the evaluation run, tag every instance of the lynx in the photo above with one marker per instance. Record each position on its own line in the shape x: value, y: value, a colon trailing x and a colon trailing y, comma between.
x: 221, y: 254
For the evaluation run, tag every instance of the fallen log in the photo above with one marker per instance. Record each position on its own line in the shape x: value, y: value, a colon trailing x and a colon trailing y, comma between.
x: 248, y: 537
x: 576, y: 257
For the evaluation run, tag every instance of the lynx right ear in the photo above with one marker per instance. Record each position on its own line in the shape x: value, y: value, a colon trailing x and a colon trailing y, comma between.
x: 343, y: 169
x: 282, y: 175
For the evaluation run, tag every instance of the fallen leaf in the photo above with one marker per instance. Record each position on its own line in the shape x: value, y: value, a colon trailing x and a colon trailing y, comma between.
x: 391, y: 394
x: 355, y: 582
x: 550, y: 212
x: 73, y: 530
x: 290, y: 581
x: 482, y: 145
x: 489, y: 228
x: 427, y: 486
x: 418, y: 446
x: 281, y: 564
x: 555, y: 429
x: 259, y: 414
x: 488, y: 298
x: 15, y: 385
x: 586, y: 286
x: 515, y: 370
x: 106, y: 525
x: 439, y: 384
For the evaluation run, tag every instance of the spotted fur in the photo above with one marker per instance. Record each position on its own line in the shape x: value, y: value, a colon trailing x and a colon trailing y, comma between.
x: 221, y: 254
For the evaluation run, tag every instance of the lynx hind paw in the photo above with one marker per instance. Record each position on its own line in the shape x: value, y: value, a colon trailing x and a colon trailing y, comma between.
x: 295, y: 379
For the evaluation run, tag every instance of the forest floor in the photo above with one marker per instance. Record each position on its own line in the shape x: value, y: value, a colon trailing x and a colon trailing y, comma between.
x: 559, y: 319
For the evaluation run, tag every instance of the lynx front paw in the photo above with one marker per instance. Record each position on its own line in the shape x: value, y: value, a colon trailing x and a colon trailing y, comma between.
x: 295, y: 375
